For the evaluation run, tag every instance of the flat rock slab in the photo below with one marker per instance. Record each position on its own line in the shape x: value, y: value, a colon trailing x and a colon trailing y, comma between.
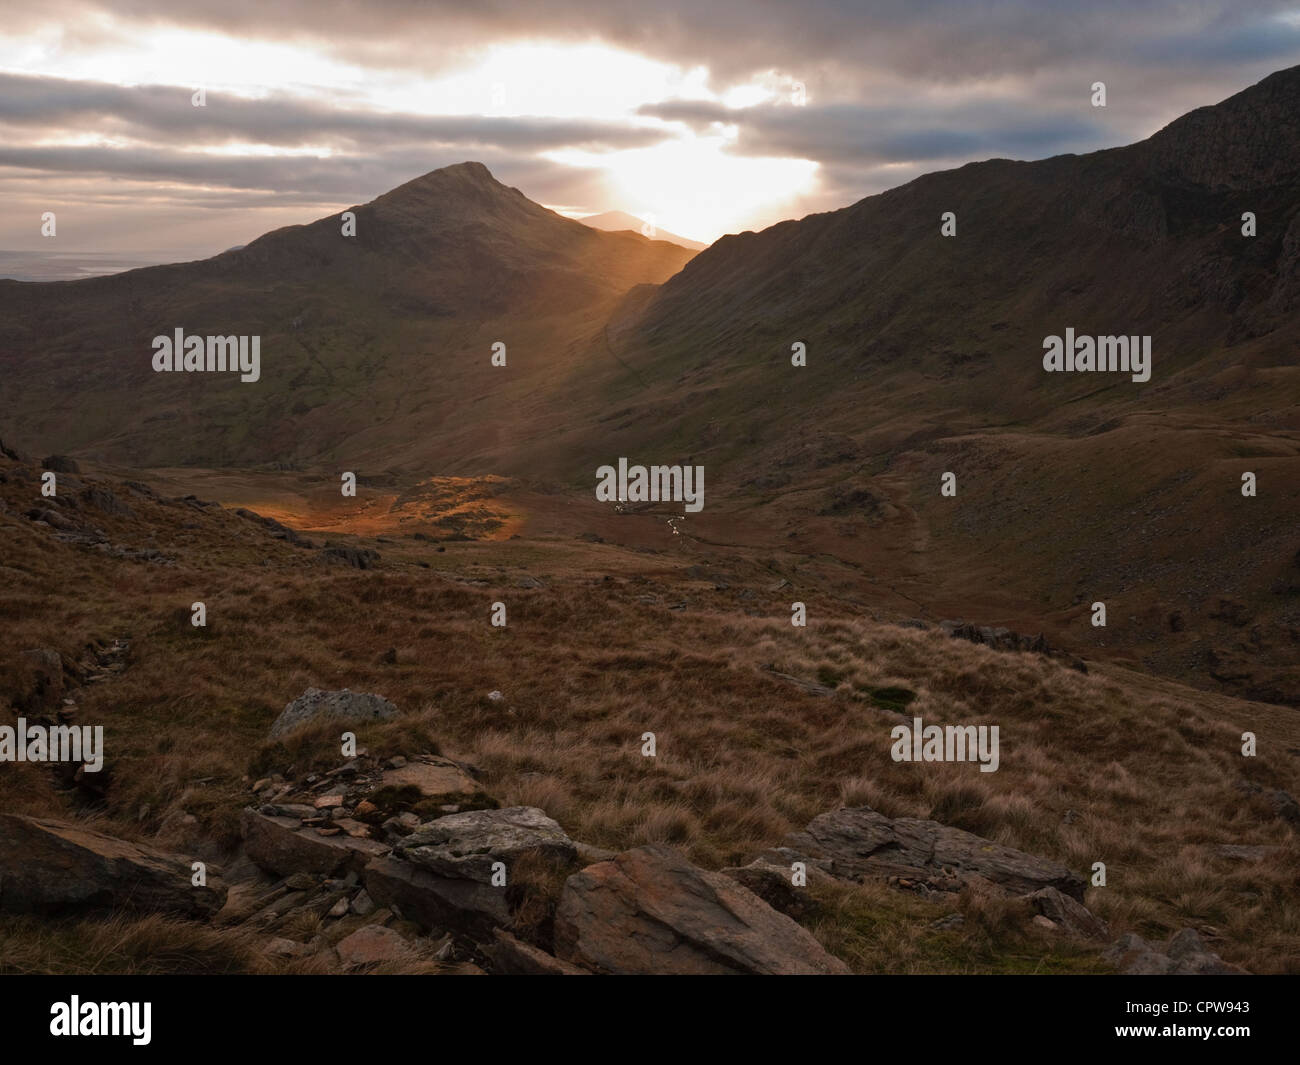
x: 651, y: 911
x: 374, y: 944
x: 54, y: 867
x: 281, y: 845
x: 859, y: 843
x: 466, y: 846
x: 433, y: 778
x: 314, y: 706
x: 436, y: 903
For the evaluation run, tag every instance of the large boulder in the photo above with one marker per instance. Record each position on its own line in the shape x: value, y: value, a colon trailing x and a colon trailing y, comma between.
x: 467, y: 845
x: 436, y: 903
x: 441, y: 875
x: 1068, y: 914
x: 282, y: 845
x: 53, y: 867
x: 856, y: 843
x: 315, y: 705
x: 651, y: 911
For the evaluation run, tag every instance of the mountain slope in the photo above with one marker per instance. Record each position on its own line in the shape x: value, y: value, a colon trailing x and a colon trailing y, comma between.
x: 925, y: 356
x: 354, y: 329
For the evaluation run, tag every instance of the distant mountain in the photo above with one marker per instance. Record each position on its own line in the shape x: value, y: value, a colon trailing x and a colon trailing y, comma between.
x: 615, y: 221
x: 371, y: 345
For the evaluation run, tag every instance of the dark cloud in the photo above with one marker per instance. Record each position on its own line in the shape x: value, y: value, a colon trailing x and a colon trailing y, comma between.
x: 945, y: 40
x: 156, y: 111
x: 895, y: 88
x: 840, y: 133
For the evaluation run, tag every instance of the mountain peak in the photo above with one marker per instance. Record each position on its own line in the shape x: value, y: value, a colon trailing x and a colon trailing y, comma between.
x: 470, y: 178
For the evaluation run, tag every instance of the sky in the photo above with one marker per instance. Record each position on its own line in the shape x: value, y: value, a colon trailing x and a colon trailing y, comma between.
x: 704, y: 118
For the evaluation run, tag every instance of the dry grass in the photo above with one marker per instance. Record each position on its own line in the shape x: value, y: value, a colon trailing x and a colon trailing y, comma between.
x: 1149, y: 768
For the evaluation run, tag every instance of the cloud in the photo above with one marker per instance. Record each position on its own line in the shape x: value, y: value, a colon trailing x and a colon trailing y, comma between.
x: 895, y: 88
x: 946, y: 40
x: 157, y: 111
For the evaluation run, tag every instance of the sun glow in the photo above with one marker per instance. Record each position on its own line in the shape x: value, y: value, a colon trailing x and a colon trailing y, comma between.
x: 691, y: 182
x: 695, y: 187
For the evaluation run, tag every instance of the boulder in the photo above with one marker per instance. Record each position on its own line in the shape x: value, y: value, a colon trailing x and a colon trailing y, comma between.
x: 1186, y: 954
x: 356, y: 557
x: 651, y: 911
x: 60, y: 464
x: 434, y: 778
x: 281, y: 845
x: 54, y: 867
x: 467, y: 845
x: 315, y: 705
x: 774, y: 884
x: 513, y: 957
x: 859, y: 843
x: 1068, y: 914
x: 440, y: 876
x: 436, y: 903
x: 102, y: 498
x: 374, y: 944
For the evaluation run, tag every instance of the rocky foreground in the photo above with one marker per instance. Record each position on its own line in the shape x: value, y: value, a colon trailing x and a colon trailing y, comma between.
x: 375, y: 864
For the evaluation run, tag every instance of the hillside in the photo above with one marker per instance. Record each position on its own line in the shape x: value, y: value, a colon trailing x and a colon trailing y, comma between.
x: 924, y: 355
x: 757, y: 737
x: 368, y: 342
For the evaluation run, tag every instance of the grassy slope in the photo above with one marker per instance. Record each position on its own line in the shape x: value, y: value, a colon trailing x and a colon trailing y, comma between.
x: 593, y: 659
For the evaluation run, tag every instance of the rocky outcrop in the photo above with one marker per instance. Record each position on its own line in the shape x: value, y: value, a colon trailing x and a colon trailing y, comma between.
x: 53, y: 867
x: 433, y: 779
x: 356, y: 557
x: 283, y: 845
x: 436, y: 902
x: 314, y: 706
x: 651, y: 911
x: 468, y: 845
x: 1068, y: 914
x: 1003, y: 639
x: 444, y: 874
x: 1186, y: 954
x: 856, y: 843
x: 774, y: 884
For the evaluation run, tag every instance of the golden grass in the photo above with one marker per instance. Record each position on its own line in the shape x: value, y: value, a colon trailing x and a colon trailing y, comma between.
x: 1148, y: 767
